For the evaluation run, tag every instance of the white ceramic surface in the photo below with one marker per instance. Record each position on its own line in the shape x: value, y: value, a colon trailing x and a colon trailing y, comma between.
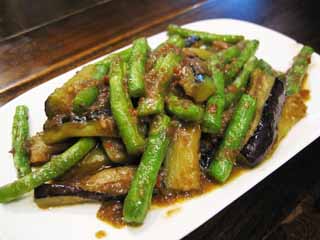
x: 23, y: 220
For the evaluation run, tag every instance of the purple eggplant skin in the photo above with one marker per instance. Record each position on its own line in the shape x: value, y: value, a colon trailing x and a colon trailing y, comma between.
x: 265, y: 134
x: 62, y: 190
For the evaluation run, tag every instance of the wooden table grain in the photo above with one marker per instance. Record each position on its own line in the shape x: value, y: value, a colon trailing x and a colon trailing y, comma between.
x: 286, y: 205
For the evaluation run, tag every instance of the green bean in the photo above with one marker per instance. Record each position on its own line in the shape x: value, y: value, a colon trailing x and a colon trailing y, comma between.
x: 298, y: 70
x: 176, y: 40
x: 103, y: 66
x: 222, y: 163
x: 212, y: 119
x: 156, y: 84
x: 240, y: 83
x: 84, y: 99
x: 232, y: 52
x: 56, y: 167
x: 124, y: 54
x: 122, y: 109
x: 235, y: 67
x: 205, y: 36
x: 20, y: 133
x: 266, y: 68
x: 138, y: 200
x: 89, y: 165
x: 184, y: 109
x: 136, y: 69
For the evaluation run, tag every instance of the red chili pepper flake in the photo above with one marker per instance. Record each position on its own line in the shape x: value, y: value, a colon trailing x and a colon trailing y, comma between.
x: 309, y: 60
x: 232, y: 89
x: 133, y: 112
x: 176, y: 70
x: 212, y: 108
x: 106, y: 79
x: 108, y: 145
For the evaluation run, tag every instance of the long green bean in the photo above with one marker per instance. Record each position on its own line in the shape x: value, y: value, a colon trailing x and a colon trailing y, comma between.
x: 136, y: 69
x: 235, y: 90
x: 298, y: 70
x: 20, y: 133
x: 205, y: 36
x: 138, y: 200
x: 222, y: 163
x: 122, y: 109
x: 235, y: 67
x: 184, y: 109
x: 156, y: 85
x: 56, y: 167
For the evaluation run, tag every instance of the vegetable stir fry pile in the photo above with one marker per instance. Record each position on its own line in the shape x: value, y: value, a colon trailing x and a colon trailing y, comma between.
x: 145, y: 122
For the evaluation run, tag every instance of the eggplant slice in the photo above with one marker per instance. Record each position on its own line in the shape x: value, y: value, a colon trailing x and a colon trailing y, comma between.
x: 52, y: 195
x: 264, y: 136
x: 107, y: 184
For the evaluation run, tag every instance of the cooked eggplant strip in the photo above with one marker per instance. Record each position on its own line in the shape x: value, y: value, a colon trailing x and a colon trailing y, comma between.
x: 182, y: 165
x: 60, y: 101
x: 108, y: 184
x: 294, y: 109
x: 264, y: 136
x: 104, y: 127
x: 40, y: 152
x: 261, y: 84
x: 54, y: 195
x: 113, y: 181
x: 115, y: 150
x: 195, y: 81
x: 199, y: 52
x: 90, y: 164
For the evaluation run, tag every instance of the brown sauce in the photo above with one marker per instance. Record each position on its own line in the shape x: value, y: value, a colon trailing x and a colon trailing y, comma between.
x: 305, y: 92
x: 111, y: 212
x: 101, y: 234
x: 172, y: 212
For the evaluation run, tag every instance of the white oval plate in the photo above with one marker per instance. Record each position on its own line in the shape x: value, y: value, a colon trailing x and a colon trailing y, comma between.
x: 23, y: 220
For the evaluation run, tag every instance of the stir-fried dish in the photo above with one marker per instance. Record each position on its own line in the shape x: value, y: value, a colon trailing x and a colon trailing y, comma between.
x: 143, y: 125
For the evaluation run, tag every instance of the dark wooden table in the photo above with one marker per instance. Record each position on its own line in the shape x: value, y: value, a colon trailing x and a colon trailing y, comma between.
x: 41, y: 42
